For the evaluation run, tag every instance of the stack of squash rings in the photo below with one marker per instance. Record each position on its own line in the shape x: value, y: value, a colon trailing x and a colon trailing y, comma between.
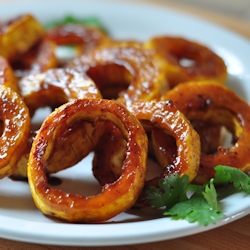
x: 125, y: 101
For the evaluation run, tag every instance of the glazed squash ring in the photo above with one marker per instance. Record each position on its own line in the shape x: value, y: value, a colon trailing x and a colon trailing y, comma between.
x: 53, y: 88
x: 117, y: 64
x: 191, y: 61
x: 115, y: 197
x: 216, y: 104
x: 164, y: 116
x: 16, y: 128
x: 203, y: 64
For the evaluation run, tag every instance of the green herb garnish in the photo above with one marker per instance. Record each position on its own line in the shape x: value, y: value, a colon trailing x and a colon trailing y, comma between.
x: 69, y: 19
x: 225, y: 175
x: 195, y: 203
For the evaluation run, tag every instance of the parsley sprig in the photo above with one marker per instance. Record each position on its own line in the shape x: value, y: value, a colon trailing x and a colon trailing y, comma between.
x: 195, y: 203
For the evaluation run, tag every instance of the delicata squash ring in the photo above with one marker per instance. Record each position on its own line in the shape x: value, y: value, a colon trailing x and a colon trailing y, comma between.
x: 168, y: 118
x: 203, y: 64
x: 16, y: 128
x: 216, y: 104
x: 53, y: 88
x: 135, y: 73
x: 115, y: 197
x: 164, y: 116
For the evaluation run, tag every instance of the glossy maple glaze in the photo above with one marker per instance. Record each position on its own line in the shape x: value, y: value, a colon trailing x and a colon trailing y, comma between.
x: 211, y: 102
x: 55, y: 87
x: 16, y: 128
x: 140, y: 70
x: 202, y: 62
x: 115, y: 197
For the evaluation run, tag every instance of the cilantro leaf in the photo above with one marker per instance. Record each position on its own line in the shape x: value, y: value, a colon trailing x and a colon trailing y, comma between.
x: 171, y: 190
x: 195, y: 203
x: 198, y: 189
x: 195, y: 209
x: 210, y: 195
x: 172, y: 194
x: 225, y: 175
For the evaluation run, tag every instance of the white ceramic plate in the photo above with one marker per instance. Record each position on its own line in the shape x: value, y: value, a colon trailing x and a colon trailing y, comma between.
x: 19, y: 218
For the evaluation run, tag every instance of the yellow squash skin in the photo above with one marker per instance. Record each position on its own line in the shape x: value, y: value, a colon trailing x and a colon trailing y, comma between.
x: 115, y: 197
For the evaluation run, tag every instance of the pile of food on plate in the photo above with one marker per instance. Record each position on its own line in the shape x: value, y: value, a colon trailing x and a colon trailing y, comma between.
x: 123, y: 100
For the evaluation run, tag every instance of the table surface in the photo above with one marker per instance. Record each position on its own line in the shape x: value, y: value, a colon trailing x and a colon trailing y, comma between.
x: 234, y: 235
